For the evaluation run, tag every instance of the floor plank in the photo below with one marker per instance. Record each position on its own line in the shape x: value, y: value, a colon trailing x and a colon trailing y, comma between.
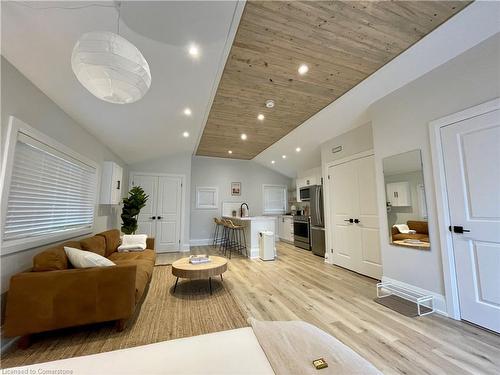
x: 299, y: 285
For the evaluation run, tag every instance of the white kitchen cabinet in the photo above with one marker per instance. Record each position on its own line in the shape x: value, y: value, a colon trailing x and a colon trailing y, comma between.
x: 285, y: 228
x: 398, y: 194
x: 111, y: 183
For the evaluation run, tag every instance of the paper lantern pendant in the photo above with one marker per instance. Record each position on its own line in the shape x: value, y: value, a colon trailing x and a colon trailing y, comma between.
x: 110, y: 67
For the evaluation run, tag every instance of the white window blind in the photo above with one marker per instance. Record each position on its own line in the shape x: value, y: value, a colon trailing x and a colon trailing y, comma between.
x: 274, y: 199
x: 51, y: 193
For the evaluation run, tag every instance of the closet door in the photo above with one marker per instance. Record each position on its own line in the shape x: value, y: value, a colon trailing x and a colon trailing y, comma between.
x: 370, y: 263
x: 168, y: 214
x: 146, y: 220
x: 353, y: 196
x: 345, y: 239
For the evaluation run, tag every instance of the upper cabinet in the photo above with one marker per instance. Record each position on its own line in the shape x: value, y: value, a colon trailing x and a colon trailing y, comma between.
x: 398, y: 194
x: 111, y: 183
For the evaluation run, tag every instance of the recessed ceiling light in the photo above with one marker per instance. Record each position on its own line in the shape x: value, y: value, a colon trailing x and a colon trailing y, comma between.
x: 297, y: 149
x: 269, y: 103
x: 244, y: 136
x: 229, y: 152
x: 194, y: 50
x: 261, y: 117
x: 187, y: 111
x: 303, y: 69
x: 185, y: 134
x: 272, y: 162
x: 283, y: 156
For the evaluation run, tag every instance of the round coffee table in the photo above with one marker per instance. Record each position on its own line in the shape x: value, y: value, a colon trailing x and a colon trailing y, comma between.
x: 183, y: 269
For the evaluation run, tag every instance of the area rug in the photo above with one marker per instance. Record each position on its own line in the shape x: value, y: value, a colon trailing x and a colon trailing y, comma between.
x: 402, y: 306
x: 163, y: 316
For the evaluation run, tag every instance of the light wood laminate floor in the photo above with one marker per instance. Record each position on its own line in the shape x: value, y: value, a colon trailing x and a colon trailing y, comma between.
x: 299, y: 285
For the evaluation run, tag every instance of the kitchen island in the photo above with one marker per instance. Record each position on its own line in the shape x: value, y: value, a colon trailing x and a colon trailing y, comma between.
x: 253, y: 225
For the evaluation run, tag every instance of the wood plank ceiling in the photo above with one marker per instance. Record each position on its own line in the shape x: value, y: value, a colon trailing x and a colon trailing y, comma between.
x: 342, y: 43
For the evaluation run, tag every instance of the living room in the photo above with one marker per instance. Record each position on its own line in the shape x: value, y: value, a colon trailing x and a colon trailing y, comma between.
x: 228, y: 134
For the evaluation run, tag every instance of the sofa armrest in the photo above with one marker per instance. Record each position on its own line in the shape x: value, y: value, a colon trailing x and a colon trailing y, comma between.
x: 43, y: 301
x: 150, y: 243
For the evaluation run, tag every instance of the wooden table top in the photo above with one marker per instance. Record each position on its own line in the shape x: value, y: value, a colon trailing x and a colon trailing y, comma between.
x: 182, y: 268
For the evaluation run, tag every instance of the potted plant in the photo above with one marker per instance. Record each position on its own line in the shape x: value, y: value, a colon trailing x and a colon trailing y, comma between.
x: 132, y: 205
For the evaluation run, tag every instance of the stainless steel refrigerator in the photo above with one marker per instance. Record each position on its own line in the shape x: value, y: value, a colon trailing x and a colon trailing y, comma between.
x: 317, y: 220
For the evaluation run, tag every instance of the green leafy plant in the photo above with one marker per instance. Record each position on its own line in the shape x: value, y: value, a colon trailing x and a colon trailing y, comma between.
x: 132, y: 205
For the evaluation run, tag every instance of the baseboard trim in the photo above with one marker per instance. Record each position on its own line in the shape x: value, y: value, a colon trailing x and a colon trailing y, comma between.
x: 439, y: 299
x: 201, y: 242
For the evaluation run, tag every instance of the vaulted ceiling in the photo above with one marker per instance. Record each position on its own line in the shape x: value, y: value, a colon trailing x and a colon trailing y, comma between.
x: 342, y: 43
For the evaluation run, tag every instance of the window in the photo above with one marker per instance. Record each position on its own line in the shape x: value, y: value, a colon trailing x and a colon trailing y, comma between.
x: 274, y: 198
x: 48, y: 191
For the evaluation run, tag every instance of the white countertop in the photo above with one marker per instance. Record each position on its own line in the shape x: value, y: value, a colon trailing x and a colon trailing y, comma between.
x: 251, y: 218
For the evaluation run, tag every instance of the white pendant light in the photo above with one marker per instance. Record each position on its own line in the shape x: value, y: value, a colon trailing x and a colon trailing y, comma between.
x: 111, y: 67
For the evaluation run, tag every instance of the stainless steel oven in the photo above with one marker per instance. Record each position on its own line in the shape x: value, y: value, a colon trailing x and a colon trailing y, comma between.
x: 301, y: 232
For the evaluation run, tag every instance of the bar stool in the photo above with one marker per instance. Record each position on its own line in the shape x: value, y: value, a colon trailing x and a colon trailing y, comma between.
x: 218, y: 232
x: 235, y: 238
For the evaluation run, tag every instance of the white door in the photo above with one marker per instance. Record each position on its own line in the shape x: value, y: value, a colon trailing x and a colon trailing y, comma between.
x: 161, y: 217
x: 146, y: 223
x: 471, y: 155
x: 168, y: 213
x: 353, y: 210
x: 371, y: 260
x: 346, y: 245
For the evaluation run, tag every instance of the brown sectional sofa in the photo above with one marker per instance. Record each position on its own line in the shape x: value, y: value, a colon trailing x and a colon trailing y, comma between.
x: 55, y: 295
x: 420, y: 227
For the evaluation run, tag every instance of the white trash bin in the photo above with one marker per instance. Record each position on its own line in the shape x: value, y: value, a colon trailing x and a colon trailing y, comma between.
x: 267, y: 250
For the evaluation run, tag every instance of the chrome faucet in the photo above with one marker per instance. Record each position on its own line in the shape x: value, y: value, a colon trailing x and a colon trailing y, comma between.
x: 241, y: 209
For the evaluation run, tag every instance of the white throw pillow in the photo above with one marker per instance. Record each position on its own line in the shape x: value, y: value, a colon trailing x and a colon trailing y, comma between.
x: 133, y: 242
x: 86, y: 259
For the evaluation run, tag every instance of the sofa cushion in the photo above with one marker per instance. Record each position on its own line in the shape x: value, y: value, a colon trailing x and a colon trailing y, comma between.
x: 112, y: 240
x: 418, y: 226
x: 95, y: 244
x: 144, y: 271
x: 54, y: 258
x: 147, y: 254
x: 86, y: 259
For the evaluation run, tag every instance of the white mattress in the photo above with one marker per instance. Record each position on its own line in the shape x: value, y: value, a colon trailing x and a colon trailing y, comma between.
x: 228, y: 352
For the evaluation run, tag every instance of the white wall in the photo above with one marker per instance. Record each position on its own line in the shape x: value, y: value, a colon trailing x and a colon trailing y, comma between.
x: 400, y: 123
x: 179, y: 164
x: 217, y: 172
x: 20, y: 98
x: 353, y: 142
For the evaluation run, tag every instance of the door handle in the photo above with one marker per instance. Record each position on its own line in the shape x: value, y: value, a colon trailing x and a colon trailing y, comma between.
x: 458, y: 229
x: 159, y: 217
x: 118, y: 185
x: 350, y: 220
x: 357, y: 221
x: 153, y: 217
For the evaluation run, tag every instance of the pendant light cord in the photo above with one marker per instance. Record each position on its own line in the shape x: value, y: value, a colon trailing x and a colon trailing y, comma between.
x: 119, y: 6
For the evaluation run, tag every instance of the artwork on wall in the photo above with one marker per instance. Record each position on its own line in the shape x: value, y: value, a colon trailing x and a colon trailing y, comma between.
x: 235, y: 188
x: 207, y: 197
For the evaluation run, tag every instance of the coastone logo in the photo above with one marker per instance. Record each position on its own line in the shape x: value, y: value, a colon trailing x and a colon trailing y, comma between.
x: 36, y: 371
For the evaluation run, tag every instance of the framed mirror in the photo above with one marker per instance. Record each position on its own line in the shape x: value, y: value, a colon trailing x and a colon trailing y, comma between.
x: 405, y: 201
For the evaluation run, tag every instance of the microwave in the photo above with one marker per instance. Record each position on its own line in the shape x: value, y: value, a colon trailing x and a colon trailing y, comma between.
x: 305, y: 193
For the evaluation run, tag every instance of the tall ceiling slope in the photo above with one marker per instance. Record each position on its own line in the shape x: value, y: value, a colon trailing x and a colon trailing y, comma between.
x: 38, y: 38
x: 342, y: 43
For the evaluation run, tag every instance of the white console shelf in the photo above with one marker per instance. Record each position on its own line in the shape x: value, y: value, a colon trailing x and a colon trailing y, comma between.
x: 386, y: 289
